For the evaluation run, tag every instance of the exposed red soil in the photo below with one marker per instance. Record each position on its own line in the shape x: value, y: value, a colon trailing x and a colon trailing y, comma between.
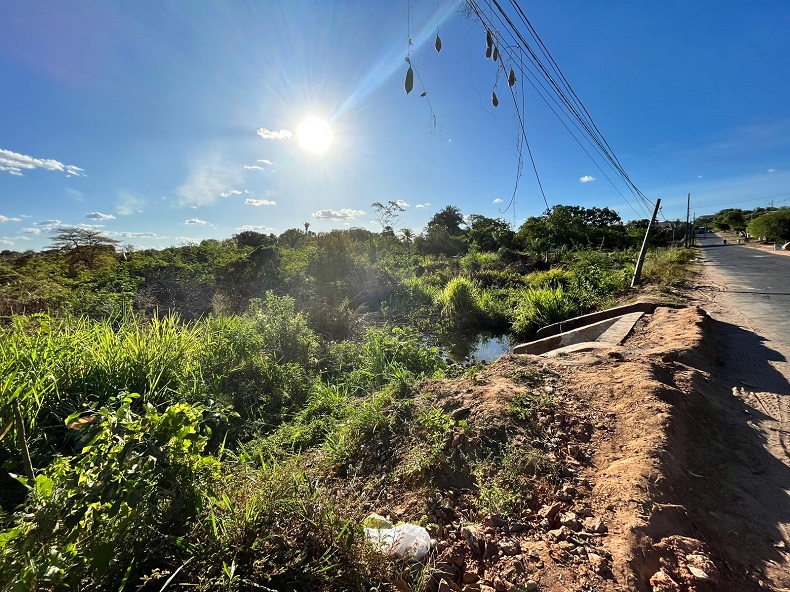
x: 663, y: 486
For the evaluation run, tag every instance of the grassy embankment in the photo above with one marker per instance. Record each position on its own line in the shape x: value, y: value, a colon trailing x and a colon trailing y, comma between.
x: 243, y: 450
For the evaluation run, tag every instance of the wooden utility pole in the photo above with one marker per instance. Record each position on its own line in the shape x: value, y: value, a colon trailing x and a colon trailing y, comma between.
x: 694, y: 229
x: 688, y: 211
x: 643, y: 251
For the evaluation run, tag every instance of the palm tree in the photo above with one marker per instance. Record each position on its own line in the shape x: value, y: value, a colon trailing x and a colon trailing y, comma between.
x: 408, y: 236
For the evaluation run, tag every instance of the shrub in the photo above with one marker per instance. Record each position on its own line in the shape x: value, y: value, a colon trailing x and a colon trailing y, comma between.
x: 115, y: 509
x: 460, y: 299
x: 536, y: 307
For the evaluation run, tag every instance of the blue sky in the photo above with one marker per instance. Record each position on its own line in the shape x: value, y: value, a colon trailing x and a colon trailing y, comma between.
x: 164, y: 122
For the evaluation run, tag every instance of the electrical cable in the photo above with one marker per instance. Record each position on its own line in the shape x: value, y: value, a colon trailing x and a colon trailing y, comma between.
x: 579, y: 115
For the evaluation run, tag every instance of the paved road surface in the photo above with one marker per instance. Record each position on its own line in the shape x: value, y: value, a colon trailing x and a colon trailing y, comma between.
x: 747, y: 291
x: 755, y: 285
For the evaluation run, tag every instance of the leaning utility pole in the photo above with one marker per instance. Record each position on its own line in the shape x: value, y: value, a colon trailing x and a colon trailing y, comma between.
x: 688, y: 234
x: 643, y: 251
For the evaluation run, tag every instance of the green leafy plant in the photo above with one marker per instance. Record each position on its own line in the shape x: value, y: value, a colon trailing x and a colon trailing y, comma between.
x: 116, y: 506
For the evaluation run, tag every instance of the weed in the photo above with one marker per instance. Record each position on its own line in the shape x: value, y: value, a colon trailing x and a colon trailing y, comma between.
x: 667, y: 268
x: 527, y: 406
x: 460, y: 299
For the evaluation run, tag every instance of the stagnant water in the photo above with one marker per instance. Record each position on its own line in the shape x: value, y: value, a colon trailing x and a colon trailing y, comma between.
x: 476, y: 348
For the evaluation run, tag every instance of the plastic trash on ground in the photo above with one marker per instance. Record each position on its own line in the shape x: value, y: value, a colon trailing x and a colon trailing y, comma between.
x: 403, y: 540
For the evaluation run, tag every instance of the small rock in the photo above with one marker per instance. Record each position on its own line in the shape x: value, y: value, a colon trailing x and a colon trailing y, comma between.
x: 531, y: 586
x: 569, y: 520
x: 569, y: 490
x: 567, y: 472
x: 491, y: 550
x: 494, y: 521
x: 550, y: 511
x: 470, y: 577
x: 509, y: 547
x: 595, y: 525
x: 473, y: 540
x: 698, y: 573
x: 597, y: 563
x: 518, y: 526
x: 661, y: 582
x: 460, y: 413
x: 559, y: 534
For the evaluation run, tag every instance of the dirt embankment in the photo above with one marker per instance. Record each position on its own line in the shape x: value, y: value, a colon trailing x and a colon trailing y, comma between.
x: 661, y: 487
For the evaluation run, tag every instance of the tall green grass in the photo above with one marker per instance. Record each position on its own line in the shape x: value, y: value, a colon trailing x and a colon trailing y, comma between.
x: 667, y: 268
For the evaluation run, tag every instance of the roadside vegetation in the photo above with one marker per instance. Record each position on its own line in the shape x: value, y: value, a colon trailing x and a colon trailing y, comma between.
x: 767, y: 224
x: 221, y: 414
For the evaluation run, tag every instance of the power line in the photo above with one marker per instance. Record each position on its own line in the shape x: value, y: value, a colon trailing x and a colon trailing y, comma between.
x: 558, y: 91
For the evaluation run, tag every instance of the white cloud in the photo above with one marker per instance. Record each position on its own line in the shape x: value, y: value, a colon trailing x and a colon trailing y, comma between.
x: 771, y: 170
x: 47, y: 223
x: 129, y: 204
x: 497, y: 200
x: 195, y: 221
x: 260, y: 202
x: 425, y: 205
x: 344, y: 214
x: 32, y: 230
x: 91, y: 226
x: 270, y: 135
x: 6, y: 242
x: 99, y: 216
x: 14, y: 163
x: 7, y: 219
x: 586, y: 178
x: 208, y: 177
x: 257, y: 167
x: 255, y: 228
x: 127, y: 234
x: 401, y: 203
x: 231, y: 192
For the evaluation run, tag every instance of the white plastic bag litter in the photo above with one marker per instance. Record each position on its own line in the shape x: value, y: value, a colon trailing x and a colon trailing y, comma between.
x: 404, y: 540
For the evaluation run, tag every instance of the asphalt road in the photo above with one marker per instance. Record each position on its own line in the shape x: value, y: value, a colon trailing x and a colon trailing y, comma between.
x: 757, y: 281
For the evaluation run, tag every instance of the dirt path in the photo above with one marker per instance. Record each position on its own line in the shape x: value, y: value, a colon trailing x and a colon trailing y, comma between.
x: 752, y: 497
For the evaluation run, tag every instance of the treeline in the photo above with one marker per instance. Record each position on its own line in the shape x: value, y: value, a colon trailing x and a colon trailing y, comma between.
x: 770, y: 224
x: 331, y: 275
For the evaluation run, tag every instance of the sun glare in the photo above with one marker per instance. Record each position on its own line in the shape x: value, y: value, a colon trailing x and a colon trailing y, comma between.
x: 314, y: 135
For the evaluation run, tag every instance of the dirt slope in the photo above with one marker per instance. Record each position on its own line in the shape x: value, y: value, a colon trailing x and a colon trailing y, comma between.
x: 663, y: 485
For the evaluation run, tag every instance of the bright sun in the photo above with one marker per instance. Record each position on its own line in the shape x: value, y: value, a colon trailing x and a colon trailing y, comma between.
x: 314, y: 135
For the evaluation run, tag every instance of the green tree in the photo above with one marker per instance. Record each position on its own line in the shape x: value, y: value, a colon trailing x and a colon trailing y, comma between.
x: 489, y: 234
x: 774, y: 226
x: 84, y: 246
x: 449, y: 219
x: 730, y: 219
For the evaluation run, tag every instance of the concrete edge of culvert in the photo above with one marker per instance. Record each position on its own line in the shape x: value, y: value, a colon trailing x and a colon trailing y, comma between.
x: 594, y: 317
x: 586, y: 333
x: 610, y: 331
